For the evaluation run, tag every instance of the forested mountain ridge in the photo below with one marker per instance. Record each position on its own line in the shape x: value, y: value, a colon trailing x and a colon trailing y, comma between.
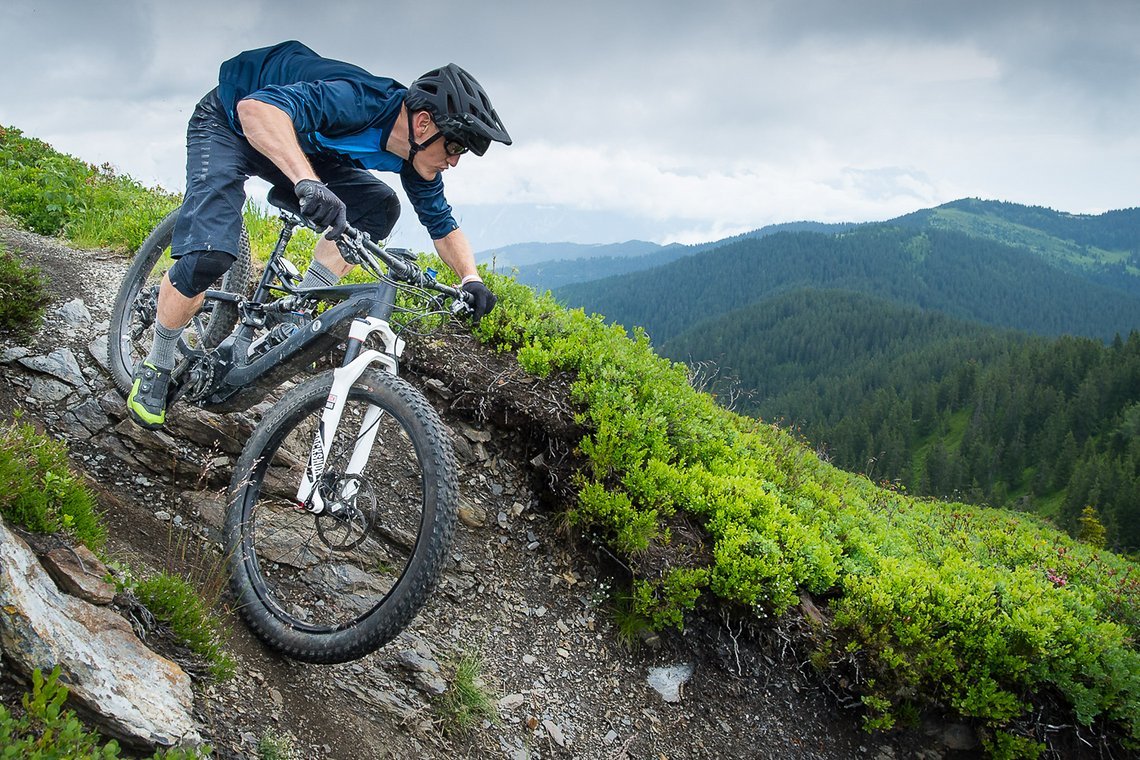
x: 1104, y: 248
x: 546, y: 266
x: 961, y: 275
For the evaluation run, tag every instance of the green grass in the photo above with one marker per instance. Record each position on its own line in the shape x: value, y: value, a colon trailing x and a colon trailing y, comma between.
x: 38, y: 490
x: 23, y: 295
x: 55, y: 194
x: 468, y: 700
x: 175, y: 602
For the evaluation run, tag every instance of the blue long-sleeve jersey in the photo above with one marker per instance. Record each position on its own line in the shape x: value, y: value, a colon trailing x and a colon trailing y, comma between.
x: 338, y: 108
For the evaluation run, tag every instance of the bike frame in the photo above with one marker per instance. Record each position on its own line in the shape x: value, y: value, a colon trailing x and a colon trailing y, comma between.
x: 367, y: 307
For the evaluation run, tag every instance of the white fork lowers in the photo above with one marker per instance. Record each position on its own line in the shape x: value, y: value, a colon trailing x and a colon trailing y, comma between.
x: 308, y: 495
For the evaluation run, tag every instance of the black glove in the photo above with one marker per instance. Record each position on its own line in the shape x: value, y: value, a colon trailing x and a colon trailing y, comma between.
x: 482, y: 299
x: 321, y: 207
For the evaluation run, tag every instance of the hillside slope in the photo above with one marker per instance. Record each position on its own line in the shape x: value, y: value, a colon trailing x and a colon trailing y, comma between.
x: 520, y: 595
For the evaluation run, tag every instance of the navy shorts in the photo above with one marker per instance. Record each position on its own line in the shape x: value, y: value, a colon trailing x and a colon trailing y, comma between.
x: 219, y: 161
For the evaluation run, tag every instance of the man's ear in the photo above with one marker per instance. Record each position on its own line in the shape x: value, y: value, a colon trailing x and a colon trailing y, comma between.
x: 421, y: 121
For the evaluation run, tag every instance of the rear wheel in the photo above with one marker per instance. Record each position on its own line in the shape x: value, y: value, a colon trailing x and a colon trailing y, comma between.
x: 133, y: 314
x: 336, y: 586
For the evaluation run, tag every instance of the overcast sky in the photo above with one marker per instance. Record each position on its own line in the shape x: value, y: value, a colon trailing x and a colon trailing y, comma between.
x: 652, y: 119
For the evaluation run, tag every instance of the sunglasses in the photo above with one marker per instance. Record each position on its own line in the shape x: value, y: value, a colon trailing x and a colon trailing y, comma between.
x: 454, y: 147
x: 450, y: 144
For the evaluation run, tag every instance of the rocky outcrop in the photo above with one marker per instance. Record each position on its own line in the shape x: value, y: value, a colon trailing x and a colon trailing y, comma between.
x: 130, y: 692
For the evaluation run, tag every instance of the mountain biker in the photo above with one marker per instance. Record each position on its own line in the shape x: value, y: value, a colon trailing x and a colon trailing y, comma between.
x: 314, y: 128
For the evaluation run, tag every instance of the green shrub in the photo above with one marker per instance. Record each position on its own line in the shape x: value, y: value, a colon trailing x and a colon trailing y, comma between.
x: 46, y: 731
x: 23, y: 295
x: 979, y: 611
x: 38, y: 490
x: 56, y: 194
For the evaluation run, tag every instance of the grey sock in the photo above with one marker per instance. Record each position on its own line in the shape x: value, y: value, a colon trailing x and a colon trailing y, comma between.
x: 162, y: 350
x: 318, y: 276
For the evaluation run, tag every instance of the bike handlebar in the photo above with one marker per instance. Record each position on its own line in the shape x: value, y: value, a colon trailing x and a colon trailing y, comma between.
x: 358, y: 248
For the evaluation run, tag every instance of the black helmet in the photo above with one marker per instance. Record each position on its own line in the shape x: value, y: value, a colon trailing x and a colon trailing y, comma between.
x: 459, y: 107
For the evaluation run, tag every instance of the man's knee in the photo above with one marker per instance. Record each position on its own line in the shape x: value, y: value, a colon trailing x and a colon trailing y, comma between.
x: 391, y: 213
x: 194, y: 273
x: 382, y: 214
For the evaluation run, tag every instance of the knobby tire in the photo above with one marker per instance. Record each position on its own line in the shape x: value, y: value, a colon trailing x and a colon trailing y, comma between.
x: 333, y: 588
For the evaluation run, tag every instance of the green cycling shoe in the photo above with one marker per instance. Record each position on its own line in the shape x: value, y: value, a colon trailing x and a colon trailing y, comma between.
x: 146, y: 402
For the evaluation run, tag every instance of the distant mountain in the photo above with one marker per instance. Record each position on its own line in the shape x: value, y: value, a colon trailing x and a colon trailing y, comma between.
x: 917, y: 262
x: 527, y: 254
x: 546, y: 266
x: 1104, y: 248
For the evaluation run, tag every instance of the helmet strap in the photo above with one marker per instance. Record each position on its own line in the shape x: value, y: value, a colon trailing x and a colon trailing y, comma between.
x: 415, y: 147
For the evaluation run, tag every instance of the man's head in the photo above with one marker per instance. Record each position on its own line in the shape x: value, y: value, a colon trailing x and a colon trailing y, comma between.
x: 459, y: 108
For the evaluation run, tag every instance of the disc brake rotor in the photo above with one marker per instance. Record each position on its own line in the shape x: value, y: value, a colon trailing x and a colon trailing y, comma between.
x: 350, y: 511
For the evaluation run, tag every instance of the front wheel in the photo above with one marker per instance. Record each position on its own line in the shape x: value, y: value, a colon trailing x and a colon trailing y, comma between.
x: 335, y: 586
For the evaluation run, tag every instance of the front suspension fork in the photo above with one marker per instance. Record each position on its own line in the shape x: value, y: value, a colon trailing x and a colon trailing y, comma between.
x: 344, y: 377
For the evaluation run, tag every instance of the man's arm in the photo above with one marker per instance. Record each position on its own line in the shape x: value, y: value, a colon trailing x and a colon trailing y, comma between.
x: 271, y: 132
x: 455, y: 250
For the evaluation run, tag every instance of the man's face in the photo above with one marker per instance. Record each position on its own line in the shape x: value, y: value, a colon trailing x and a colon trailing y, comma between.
x: 435, y: 158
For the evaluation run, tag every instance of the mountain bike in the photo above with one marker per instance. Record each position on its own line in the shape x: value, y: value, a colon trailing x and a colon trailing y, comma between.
x: 343, y: 502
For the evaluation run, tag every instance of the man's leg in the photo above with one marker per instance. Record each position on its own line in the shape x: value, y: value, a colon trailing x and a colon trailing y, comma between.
x: 206, y: 236
x: 372, y: 206
x: 180, y: 296
x: 327, y: 266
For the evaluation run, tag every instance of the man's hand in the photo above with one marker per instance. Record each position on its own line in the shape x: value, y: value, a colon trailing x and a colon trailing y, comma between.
x: 320, y: 206
x: 482, y: 299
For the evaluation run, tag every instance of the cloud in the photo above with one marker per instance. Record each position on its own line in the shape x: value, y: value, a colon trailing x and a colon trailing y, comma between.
x: 715, y: 116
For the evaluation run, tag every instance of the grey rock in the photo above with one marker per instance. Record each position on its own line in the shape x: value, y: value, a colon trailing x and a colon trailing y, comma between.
x: 90, y: 415
x: 555, y: 732
x: 49, y: 390
x: 668, y: 681
x: 98, y: 350
x: 474, y: 435
x: 425, y: 671
x: 9, y: 355
x: 959, y: 736
x: 436, y: 385
x: 60, y: 364
x: 511, y: 702
x: 132, y: 693
x: 75, y: 313
x: 383, y: 699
